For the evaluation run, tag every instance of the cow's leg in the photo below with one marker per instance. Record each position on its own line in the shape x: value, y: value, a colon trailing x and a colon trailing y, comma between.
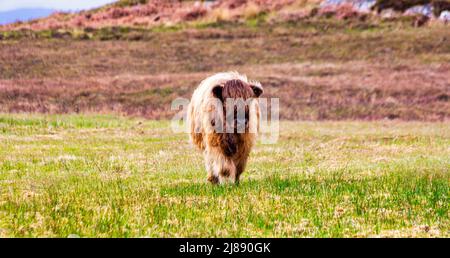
x: 240, y: 166
x: 209, y: 164
x: 227, y: 171
x: 220, y: 168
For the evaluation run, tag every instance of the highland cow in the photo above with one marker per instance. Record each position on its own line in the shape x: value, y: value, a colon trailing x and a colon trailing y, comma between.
x: 223, y: 119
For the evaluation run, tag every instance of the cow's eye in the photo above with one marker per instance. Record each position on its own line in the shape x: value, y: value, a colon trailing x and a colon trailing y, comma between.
x: 213, y: 122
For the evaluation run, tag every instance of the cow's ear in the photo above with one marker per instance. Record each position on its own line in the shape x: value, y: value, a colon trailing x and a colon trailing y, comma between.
x: 217, y: 91
x: 258, y: 91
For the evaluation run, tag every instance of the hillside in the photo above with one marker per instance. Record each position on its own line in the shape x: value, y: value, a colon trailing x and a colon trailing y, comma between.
x: 322, y: 67
x: 128, y: 13
x: 144, y: 13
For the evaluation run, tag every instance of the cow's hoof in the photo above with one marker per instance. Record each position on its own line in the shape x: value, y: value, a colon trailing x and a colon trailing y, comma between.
x: 213, y: 180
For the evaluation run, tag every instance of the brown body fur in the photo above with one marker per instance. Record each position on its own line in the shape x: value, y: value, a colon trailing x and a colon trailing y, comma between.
x: 226, y: 153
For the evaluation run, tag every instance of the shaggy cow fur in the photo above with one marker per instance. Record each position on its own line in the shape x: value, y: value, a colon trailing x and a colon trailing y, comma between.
x: 223, y: 119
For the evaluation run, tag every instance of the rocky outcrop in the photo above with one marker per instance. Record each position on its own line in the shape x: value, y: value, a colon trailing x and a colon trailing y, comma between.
x: 429, y: 8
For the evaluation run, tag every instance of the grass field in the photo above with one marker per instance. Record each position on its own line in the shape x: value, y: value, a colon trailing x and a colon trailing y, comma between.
x: 107, y: 176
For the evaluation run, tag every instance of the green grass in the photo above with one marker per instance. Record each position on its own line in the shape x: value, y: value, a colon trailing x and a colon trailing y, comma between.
x: 107, y: 176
